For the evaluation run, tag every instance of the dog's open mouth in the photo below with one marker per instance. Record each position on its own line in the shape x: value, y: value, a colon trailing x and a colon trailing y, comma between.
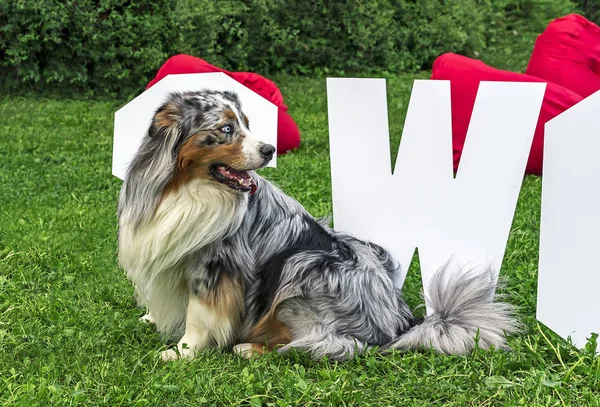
x: 234, y: 179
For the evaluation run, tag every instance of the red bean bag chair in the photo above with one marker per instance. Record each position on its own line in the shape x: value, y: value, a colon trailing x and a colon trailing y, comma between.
x: 568, y: 54
x: 288, y: 134
x: 466, y: 73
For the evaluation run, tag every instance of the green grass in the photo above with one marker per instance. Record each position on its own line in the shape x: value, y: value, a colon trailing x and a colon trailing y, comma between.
x: 69, y: 329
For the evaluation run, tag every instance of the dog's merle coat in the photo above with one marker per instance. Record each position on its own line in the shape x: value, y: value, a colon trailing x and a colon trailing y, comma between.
x: 304, y: 285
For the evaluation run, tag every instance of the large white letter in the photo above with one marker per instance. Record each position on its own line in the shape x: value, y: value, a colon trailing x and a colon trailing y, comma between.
x: 569, y: 268
x: 422, y: 205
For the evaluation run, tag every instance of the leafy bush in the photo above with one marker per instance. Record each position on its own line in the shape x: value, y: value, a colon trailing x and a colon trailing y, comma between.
x: 512, y: 27
x: 590, y: 9
x: 117, y: 45
x: 103, y: 44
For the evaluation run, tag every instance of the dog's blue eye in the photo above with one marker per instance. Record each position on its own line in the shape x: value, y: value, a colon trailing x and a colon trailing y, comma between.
x: 226, y: 129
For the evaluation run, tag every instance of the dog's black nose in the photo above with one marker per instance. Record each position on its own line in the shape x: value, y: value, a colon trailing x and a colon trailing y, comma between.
x: 266, y: 150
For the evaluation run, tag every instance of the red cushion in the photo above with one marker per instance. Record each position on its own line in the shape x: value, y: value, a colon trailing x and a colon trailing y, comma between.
x: 288, y: 134
x: 465, y: 74
x: 568, y: 54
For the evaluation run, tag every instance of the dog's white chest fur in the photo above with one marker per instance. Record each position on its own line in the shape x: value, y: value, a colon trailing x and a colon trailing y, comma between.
x: 186, y: 220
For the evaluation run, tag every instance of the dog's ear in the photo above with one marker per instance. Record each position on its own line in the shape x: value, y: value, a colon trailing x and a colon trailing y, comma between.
x: 166, y: 128
x: 154, y: 164
x: 166, y: 117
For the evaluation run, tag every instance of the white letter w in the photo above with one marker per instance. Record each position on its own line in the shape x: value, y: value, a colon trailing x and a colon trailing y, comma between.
x: 421, y: 205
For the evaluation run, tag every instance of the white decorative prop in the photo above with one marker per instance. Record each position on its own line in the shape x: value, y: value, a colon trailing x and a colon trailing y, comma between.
x: 569, y: 267
x: 133, y: 119
x: 421, y: 205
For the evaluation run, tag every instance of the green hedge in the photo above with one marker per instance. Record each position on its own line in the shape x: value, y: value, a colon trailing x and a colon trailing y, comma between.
x: 590, y: 9
x: 116, y: 46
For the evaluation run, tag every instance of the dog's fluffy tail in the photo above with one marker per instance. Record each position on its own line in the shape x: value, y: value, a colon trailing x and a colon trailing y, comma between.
x: 463, y: 313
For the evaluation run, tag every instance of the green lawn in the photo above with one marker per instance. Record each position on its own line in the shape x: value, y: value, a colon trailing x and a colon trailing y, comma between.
x: 69, y: 328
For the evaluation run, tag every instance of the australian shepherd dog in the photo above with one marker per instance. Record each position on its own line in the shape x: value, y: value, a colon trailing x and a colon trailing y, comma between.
x: 220, y: 257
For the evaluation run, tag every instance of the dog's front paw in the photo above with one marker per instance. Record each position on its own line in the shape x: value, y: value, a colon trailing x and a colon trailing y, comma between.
x: 148, y: 319
x: 169, y: 354
x: 248, y: 350
x: 174, y: 354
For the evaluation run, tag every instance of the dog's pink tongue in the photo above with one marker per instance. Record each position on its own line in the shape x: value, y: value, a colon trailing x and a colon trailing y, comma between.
x: 243, y: 174
x: 234, y: 173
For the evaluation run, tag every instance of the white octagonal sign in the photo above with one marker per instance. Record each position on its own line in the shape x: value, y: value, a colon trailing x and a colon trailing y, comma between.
x: 133, y: 120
